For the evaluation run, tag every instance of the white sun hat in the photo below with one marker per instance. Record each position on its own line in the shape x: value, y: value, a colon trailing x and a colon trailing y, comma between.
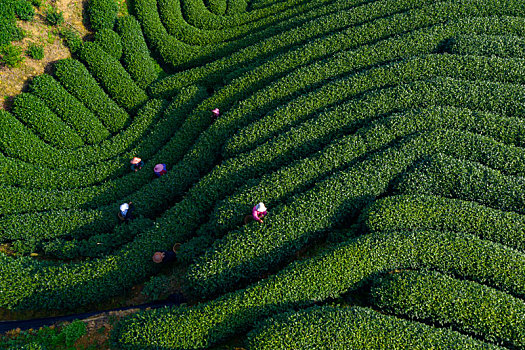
x: 124, y: 207
x: 260, y: 207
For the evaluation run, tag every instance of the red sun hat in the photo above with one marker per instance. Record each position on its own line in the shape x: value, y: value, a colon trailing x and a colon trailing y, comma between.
x: 157, y: 257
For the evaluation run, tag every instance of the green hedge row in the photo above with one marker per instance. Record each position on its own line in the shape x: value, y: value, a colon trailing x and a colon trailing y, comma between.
x: 448, y: 177
x: 112, y: 76
x: 69, y: 109
x: 217, y: 7
x: 110, y: 42
x: 425, y: 32
x: 248, y: 252
x: 199, y: 16
x: 42, y: 226
x: 197, y: 154
x: 18, y: 173
x: 102, y: 14
x: 172, y: 17
x: 74, y: 76
x: 467, y: 306
x: 41, y: 199
x: 329, y: 275
x: 462, y: 67
x: 17, y: 140
x: 297, y: 176
x: 34, y: 113
x: 488, y: 45
x: 411, y: 212
x: 169, y: 46
x: 256, y: 164
x: 96, y: 245
x: 236, y: 7
x: 129, y: 142
x: 8, y: 28
x: 199, y: 117
x: 353, y: 328
x: 145, y: 136
x: 136, y: 56
x: 251, y: 57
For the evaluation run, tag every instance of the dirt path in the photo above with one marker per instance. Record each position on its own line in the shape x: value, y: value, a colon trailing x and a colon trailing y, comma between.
x: 14, y: 80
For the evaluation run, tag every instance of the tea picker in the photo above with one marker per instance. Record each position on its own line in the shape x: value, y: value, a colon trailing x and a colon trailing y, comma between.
x: 160, y: 169
x: 215, y: 113
x: 164, y: 256
x: 126, y: 211
x: 258, y: 213
x: 136, y: 163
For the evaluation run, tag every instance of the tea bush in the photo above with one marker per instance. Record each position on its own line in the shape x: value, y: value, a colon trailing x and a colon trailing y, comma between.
x: 468, y: 306
x: 382, y: 135
x: 353, y: 327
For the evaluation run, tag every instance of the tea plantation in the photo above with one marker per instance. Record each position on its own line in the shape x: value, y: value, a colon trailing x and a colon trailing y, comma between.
x: 385, y: 137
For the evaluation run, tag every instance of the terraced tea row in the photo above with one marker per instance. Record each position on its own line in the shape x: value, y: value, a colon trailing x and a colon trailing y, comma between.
x: 365, y: 127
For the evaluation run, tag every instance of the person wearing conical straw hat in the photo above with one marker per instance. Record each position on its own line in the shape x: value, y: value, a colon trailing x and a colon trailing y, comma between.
x: 215, y: 113
x: 136, y: 163
x: 159, y: 170
x: 259, y: 212
x: 164, y: 256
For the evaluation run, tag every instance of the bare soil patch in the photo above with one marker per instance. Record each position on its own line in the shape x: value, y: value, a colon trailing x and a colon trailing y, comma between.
x: 14, y: 80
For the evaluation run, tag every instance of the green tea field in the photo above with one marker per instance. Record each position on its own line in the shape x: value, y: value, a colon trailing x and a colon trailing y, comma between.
x: 386, y: 139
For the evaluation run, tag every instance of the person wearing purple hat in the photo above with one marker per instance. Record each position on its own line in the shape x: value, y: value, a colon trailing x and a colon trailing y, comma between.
x: 160, y: 169
x: 215, y: 113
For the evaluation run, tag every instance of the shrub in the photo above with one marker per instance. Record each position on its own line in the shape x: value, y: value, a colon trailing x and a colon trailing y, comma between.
x: 445, y: 176
x: 34, y: 113
x: 412, y: 212
x: 499, y: 45
x: 112, y: 76
x: 71, y: 110
x: 110, y: 42
x: 24, y: 10
x: 102, y: 14
x: 74, y: 76
x: 352, y: 328
x: 11, y: 56
x: 156, y: 286
x: 217, y: 7
x: 35, y: 51
x: 53, y: 16
x: 235, y: 7
x: 305, y: 282
x: 469, y: 307
x: 71, y: 38
x: 136, y: 55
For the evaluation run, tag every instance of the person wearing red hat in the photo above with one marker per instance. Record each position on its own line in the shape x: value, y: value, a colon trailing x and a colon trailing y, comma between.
x: 165, y: 256
x: 136, y: 163
x: 160, y: 169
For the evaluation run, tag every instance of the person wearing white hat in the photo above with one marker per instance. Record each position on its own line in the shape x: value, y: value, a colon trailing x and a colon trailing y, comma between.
x: 215, y: 113
x: 126, y: 211
x: 259, y: 212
